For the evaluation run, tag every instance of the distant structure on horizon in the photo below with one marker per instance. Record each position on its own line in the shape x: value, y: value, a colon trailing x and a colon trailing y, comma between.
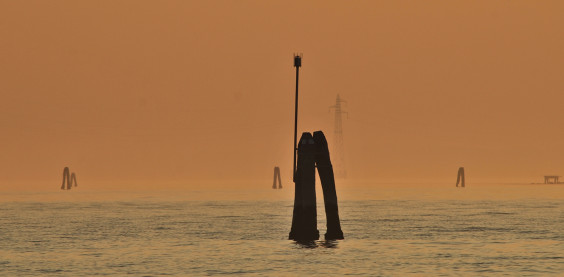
x: 277, y: 177
x: 68, y: 179
x: 460, y: 178
x: 551, y: 179
x: 338, y: 144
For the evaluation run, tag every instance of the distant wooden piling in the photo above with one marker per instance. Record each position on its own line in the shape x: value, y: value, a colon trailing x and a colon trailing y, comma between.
x: 460, y: 178
x: 68, y: 179
x: 73, y: 179
x: 304, y: 219
x: 277, y: 177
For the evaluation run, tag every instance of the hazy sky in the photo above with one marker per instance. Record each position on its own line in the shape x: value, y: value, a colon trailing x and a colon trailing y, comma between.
x: 185, y: 93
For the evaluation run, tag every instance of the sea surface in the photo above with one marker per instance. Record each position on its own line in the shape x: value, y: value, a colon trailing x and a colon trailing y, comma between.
x: 512, y: 230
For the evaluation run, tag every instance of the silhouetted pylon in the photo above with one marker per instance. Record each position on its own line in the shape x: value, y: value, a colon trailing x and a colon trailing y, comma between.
x: 338, y: 143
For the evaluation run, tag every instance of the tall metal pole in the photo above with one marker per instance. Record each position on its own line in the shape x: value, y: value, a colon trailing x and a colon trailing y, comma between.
x: 297, y: 64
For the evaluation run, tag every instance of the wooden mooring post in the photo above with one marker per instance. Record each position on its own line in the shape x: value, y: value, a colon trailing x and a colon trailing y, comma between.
x: 460, y: 178
x: 327, y: 177
x: 313, y: 151
x: 277, y: 177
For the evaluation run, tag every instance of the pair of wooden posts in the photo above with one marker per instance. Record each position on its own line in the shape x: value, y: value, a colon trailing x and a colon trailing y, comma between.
x: 313, y: 152
x: 68, y: 179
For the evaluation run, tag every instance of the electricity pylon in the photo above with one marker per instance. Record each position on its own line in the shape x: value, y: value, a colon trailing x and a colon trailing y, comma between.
x: 338, y: 145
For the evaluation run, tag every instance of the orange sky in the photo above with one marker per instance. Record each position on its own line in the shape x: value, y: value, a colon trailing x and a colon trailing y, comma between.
x: 182, y: 93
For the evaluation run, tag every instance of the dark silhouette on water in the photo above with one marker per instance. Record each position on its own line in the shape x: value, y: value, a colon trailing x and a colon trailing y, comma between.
x: 277, y: 176
x: 69, y: 179
x: 327, y: 177
x: 313, y: 150
x: 551, y: 179
x: 460, y: 178
x: 304, y: 219
x: 297, y: 64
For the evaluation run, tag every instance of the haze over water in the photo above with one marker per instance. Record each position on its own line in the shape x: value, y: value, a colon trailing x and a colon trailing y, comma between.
x: 391, y: 230
x: 173, y: 114
x: 181, y: 93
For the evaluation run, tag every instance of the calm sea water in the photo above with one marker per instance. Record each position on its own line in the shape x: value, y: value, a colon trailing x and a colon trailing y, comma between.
x: 78, y: 233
